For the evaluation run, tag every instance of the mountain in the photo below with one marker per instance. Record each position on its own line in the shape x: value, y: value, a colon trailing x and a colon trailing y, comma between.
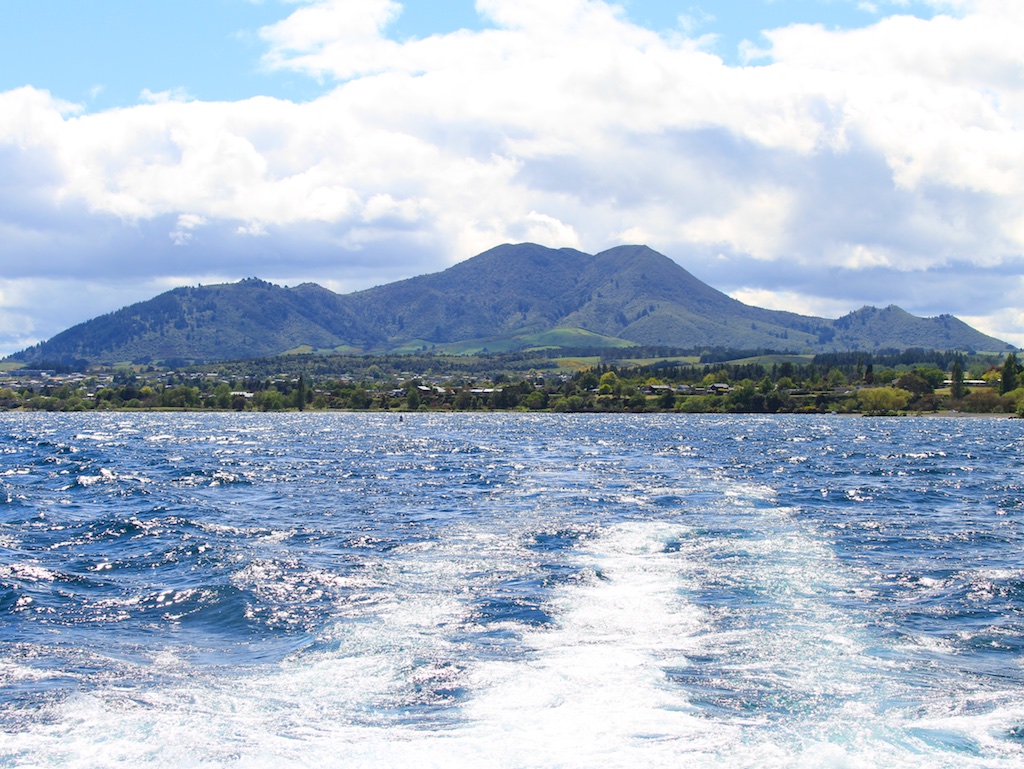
x: 629, y: 293
x: 251, y: 318
x: 511, y: 297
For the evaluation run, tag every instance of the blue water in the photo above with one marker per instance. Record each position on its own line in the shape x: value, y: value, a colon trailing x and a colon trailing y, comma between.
x: 457, y: 590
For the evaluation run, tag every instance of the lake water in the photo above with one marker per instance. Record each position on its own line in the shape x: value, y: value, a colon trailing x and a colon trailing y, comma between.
x: 513, y: 590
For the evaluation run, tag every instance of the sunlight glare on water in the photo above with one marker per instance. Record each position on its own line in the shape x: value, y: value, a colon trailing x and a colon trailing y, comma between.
x: 346, y: 590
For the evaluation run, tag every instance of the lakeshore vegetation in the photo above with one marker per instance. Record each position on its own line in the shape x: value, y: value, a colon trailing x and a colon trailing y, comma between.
x: 650, y: 380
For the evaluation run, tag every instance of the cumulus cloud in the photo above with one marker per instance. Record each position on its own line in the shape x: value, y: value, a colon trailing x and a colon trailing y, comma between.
x: 187, y: 223
x: 340, y: 37
x: 36, y: 307
x: 893, y: 151
x: 792, y: 301
x: 162, y: 97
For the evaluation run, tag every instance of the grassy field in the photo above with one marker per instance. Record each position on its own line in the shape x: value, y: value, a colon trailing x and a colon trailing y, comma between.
x: 545, y: 340
x: 770, y: 360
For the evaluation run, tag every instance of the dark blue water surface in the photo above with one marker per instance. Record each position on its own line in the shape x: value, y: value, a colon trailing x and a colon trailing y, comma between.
x: 514, y: 590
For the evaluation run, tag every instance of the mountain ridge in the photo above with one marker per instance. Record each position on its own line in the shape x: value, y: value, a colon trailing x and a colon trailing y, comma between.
x: 507, y: 296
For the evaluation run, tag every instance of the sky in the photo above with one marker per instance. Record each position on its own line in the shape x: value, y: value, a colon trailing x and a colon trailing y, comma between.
x: 807, y: 155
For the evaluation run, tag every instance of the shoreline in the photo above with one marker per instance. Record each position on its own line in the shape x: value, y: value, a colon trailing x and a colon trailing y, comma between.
x: 402, y: 412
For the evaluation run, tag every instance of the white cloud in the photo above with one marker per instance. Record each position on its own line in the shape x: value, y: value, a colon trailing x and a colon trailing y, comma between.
x: 162, y: 97
x: 541, y: 228
x: 793, y: 301
x: 320, y: 37
x: 899, y: 146
x: 693, y: 20
x: 998, y: 323
x: 61, y: 301
x: 182, y: 234
x: 253, y: 229
x: 757, y: 223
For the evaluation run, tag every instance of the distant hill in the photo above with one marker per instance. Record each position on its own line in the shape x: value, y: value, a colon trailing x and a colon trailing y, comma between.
x: 248, y: 319
x: 511, y: 297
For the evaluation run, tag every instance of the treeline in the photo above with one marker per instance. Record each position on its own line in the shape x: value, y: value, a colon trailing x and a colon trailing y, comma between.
x: 825, y: 384
x: 911, y: 357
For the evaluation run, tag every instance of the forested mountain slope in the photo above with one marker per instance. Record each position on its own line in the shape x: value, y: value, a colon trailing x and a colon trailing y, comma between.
x: 509, y: 297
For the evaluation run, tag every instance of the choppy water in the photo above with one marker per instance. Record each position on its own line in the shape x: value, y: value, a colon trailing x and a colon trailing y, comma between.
x: 342, y: 590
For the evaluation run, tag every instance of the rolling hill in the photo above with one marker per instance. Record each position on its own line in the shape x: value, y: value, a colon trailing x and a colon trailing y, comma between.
x: 510, y: 297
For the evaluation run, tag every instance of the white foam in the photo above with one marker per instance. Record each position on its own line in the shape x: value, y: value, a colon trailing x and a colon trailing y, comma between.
x: 593, y: 689
x: 589, y: 689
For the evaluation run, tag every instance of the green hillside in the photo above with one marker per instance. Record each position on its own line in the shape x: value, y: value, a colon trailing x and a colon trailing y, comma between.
x: 509, y: 298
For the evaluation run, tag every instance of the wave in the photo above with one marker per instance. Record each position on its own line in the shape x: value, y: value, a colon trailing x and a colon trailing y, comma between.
x: 629, y: 591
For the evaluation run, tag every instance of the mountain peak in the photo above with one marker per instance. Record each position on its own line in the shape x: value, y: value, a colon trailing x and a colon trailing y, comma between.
x: 510, y: 297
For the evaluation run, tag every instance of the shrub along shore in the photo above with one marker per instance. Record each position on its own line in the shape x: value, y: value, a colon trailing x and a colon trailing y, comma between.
x: 841, y: 383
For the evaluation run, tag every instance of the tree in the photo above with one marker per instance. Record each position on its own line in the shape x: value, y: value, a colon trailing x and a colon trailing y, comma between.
x: 300, y: 393
x: 699, y: 404
x: 742, y: 398
x: 536, y: 400
x: 272, y: 400
x: 882, y: 400
x: 915, y: 383
x: 588, y: 381
x: 222, y: 395
x: 932, y: 375
x: 836, y: 378
x: 181, y: 396
x: 360, y: 399
x: 984, y: 401
x: 412, y: 399
x: 957, y: 390
x: 1010, y: 373
x: 721, y: 376
x: 667, y: 400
